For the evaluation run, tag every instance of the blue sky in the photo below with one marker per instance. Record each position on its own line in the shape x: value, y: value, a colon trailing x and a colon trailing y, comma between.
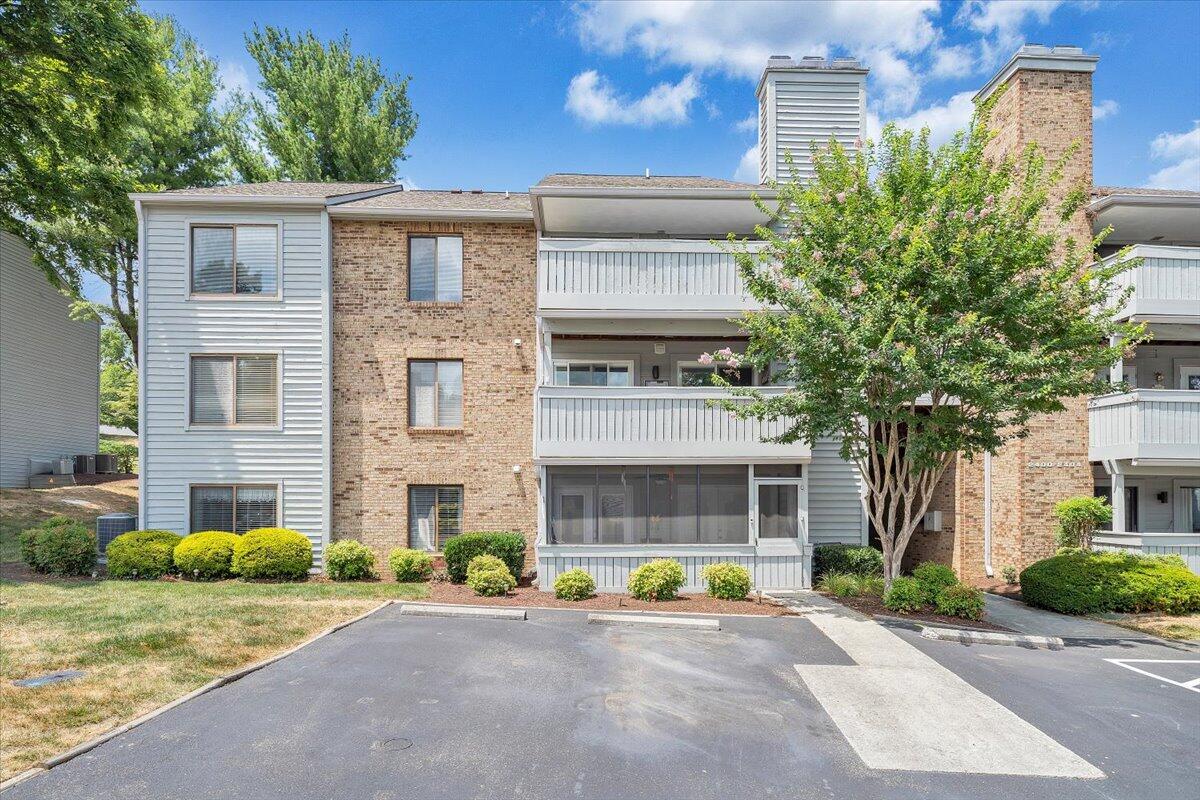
x: 507, y: 92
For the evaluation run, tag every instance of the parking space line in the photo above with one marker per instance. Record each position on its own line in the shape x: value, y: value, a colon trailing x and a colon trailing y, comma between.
x: 1191, y: 686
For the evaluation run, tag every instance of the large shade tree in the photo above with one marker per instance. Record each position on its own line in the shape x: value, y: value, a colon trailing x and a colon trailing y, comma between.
x: 924, y: 303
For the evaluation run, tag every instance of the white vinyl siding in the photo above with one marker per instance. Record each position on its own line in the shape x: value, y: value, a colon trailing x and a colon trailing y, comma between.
x: 801, y: 109
x: 435, y: 390
x: 435, y: 268
x: 235, y: 390
x: 234, y: 260
x: 288, y: 455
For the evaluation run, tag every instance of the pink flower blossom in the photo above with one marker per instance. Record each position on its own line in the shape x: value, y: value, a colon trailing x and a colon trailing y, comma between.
x: 990, y: 200
x: 970, y: 215
x: 858, y: 142
x: 705, y: 359
x: 786, y: 285
x: 858, y: 288
x: 816, y: 256
x: 841, y: 197
x: 725, y: 353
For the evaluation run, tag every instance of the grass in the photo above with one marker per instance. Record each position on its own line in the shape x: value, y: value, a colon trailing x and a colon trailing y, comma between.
x: 25, y: 508
x: 1184, y: 628
x: 143, y: 644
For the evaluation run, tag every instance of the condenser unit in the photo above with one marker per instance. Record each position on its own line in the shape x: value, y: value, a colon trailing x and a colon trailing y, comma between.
x: 110, y: 526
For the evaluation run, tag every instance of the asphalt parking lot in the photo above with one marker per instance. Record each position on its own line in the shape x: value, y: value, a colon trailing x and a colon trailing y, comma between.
x: 408, y: 707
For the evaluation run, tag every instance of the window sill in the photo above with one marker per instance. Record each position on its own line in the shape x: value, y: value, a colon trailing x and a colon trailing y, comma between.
x: 434, y: 303
x: 233, y: 428
x: 240, y: 297
x: 435, y: 431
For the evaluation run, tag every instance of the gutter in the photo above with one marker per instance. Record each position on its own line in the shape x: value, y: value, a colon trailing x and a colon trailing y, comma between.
x: 1150, y: 200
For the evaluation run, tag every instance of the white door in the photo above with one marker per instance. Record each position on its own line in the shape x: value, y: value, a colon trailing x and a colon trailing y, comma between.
x: 780, y: 515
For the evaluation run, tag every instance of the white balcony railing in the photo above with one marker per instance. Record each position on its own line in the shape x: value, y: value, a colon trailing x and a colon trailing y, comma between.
x: 1150, y: 424
x: 638, y: 276
x: 1165, y: 284
x: 650, y: 425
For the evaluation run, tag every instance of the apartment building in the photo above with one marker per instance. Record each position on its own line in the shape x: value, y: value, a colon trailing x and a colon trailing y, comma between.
x: 361, y: 361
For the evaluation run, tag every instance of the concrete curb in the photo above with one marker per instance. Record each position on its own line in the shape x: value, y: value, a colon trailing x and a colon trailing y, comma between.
x: 917, y: 624
x: 92, y: 744
x: 990, y: 637
x: 472, y: 612
x: 643, y: 620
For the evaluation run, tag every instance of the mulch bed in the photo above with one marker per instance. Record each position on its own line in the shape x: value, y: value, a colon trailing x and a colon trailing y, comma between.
x: 994, y: 586
x: 873, y: 606
x: 459, y: 594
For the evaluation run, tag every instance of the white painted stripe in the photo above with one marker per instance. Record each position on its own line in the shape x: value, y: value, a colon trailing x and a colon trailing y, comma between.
x: 1193, y: 685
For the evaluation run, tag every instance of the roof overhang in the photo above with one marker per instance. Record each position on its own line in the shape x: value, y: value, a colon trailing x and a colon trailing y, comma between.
x: 431, y: 214
x: 1145, y: 218
x: 569, y: 210
x: 208, y: 198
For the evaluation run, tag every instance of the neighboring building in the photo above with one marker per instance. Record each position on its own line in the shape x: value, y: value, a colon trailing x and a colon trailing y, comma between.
x: 49, y: 370
x: 397, y: 367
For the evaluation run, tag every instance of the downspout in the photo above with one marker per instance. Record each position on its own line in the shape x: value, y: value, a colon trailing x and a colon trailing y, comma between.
x: 987, y: 515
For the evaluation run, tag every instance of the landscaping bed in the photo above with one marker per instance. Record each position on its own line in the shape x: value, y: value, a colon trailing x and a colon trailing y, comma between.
x: 1184, y: 628
x: 998, y: 587
x: 873, y: 606
x: 528, y: 596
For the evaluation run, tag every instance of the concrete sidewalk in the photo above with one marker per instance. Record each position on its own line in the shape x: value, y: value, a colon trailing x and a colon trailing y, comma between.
x: 1021, y: 618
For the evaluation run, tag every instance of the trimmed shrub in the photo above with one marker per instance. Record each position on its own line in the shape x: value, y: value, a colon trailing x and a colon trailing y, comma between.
x: 206, y: 556
x: 868, y: 584
x: 660, y: 579
x: 905, y: 595
x: 934, y: 577
x: 1088, y: 583
x: 410, y: 565
x: 278, y: 553
x: 727, y: 581
x: 485, y: 562
x: 960, y: 600
x: 142, y: 554
x: 1078, y: 517
x: 1010, y: 574
x: 349, y: 560
x: 838, y: 584
x: 59, y: 546
x: 574, y: 584
x: 489, y: 577
x: 508, y: 547
x: 847, y: 559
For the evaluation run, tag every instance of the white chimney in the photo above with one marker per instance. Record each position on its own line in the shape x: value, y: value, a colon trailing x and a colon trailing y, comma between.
x: 806, y: 102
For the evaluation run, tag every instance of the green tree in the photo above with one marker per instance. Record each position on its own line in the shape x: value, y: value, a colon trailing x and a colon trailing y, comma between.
x: 327, y: 114
x: 174, y: 141
x: 118, y: 380
x: 926, y: 303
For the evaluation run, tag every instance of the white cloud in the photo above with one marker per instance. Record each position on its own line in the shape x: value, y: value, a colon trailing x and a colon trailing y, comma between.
x: 747, y: 125
x: 1002, y: 23
x: 1183, y: 151
x: 234, y: 77
x: 942, y: 120
x: 747, y: 169
x: 952, y: 62
x: 593, y: 99
x: 1105, y: 109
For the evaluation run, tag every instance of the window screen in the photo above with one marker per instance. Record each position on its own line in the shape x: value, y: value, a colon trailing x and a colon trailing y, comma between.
x: 435, y: 268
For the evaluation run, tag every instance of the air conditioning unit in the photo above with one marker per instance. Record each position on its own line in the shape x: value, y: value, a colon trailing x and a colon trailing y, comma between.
x: 85, y: 464
x: 110, y: 526
x: 106, y: 464
x: 932, y: 521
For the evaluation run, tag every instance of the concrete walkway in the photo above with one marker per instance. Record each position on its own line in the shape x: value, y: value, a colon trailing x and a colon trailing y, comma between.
x: 1021, y: 618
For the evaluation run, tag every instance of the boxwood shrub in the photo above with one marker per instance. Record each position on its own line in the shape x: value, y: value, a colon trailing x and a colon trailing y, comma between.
x: 574, y: 584
x: 142, y: 554
x: 1082, y: 582
x: 727, y: 580
x: 905, y: 595
x: 206, y: 556
x: 410, y: 565
x: 277, y: 553
x: 660, y: 579
x: 489, y: 577
x: 506, y: 546
x: 59, y: 546
x: 846, y: 558
x: 934, y: 577
x: 960, y: 600
x: 349, y: 560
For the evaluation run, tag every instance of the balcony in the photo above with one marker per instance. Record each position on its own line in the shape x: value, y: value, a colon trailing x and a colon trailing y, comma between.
x: 637, y: 277
x: 667, y: 424
x: 1166, y: 285
x: 1151, y: 425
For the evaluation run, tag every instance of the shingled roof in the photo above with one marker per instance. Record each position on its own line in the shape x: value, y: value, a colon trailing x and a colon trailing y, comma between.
x: 285, y: 189
x: 575, y: 180
x: 448, y: 200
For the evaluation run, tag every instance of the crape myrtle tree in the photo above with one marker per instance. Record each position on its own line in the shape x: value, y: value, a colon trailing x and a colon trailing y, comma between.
x: 923, y: 303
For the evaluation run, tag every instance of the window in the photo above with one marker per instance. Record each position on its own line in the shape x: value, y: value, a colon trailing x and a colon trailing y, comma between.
x: 689, y: 504
x: 233, y: 508
x: 235, y: 390
x: 435, y: 513
x: 592, y: 373
x: 693, y: 373
x: 1193, y: 498
x: 1189, y: 378
x: 235, y: 259
x: 435, y: 394
x: 435, y: 268
x: 1131, y: 507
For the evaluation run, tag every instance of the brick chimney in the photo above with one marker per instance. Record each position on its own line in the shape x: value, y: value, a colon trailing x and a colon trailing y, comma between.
x: 805, y: 102
x: 1047, y: 100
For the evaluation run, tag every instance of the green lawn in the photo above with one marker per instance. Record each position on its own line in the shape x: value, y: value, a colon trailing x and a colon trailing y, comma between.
x: 144, y: 644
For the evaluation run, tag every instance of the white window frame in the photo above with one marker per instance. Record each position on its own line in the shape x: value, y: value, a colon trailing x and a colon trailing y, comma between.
x: 222, y: 426
x: 276, y: 485
x: 681, y: 365
x: 235, y: 222
x: 436, y: 248
x: 462, y: 411
x: 607, y: 362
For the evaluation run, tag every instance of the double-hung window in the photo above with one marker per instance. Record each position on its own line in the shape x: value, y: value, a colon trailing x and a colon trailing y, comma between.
x: 435, y: 513
x: 435, y: 393
x: 235, y: 260
x: 237, y: 508
x: 593, y: 373
x: 234, y: 390
x: 435, y: 265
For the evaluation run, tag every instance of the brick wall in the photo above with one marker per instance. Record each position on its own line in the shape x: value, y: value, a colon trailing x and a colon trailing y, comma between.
x: 1053, y: 109
x: 936, y: 545
x: 376, y: 456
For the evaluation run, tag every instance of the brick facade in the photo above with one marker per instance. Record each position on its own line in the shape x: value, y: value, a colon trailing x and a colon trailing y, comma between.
x: 376, y: 330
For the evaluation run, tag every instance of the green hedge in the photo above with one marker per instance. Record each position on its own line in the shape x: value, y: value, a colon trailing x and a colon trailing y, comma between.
x: 933, y: 578
x: 1082, y: 582
x: 727, y: 580
x: 59, y: 546
x: 276, y: 553
x: 904, y: 595
x: 142, y: 554
x: 960, y: 600
x: 410, y: 565
x: 349, y: 560
x: 206, y: 556
x: 489, y: 577
x: 574, y: 584
x: 847, y: 559
x: 506, y: 546
x: 660, y: 579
